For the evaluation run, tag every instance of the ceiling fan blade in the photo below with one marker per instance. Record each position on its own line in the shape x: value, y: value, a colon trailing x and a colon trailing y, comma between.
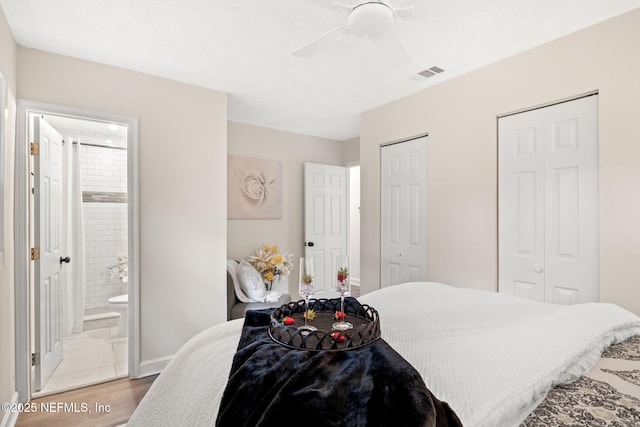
x: 392, y: 48
x: 403, y: 11
x: 322, y: 42
x: 343, y: 6
x: 323, y: 3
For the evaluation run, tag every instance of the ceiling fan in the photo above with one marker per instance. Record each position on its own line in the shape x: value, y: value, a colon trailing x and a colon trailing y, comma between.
x: 367, y: 19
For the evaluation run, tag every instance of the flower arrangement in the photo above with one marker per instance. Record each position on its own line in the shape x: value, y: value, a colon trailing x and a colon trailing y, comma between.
x: 119, y: 269
x: 271, y: 263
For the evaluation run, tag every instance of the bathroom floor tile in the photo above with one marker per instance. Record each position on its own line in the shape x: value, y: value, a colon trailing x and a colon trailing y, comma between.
x: 83, y: 365
x: 119, y: 347
x: 100, y: 351
x: 122, y: 357
x: 122, y: 369
x: 93, y: 356
x: 87, y: 337
x: 90, y: 338
x: 113, y: 330
x: 78, y: 379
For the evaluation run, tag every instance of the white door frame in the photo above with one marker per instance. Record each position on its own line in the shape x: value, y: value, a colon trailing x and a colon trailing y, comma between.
x: 22, y: 250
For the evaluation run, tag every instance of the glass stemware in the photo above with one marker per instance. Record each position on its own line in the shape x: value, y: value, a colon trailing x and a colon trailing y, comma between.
x: 305, y: 287
x: 342, y: 286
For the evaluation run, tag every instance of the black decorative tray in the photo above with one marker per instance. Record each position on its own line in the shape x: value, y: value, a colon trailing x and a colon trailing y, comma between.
x: 365, y: 321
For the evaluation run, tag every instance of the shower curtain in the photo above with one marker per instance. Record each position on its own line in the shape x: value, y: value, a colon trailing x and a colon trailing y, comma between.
x: 75, y: 270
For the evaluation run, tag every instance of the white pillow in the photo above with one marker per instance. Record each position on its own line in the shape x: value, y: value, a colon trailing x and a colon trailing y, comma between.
x: 251, y: 281
x: 232, y: 267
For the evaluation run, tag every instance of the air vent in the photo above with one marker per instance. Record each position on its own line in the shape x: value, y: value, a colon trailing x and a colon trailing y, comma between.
x: 426, y: 74
x: 431, y: 72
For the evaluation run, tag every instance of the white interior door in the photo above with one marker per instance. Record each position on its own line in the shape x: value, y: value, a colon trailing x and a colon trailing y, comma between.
x: 325, y: 223
x: 404, y: 212
x: 47, y: 239
x: 548, y: 203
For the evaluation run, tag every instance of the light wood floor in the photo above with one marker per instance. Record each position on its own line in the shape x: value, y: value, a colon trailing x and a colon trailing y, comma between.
x: 103, y: 405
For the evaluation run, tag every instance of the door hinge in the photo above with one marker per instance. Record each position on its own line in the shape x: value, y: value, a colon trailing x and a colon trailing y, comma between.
x: 35, y: 254
x: 35, y: 149
x: 35, y: 359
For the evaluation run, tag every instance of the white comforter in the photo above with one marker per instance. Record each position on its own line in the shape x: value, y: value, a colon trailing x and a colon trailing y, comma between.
x: 492, y: 357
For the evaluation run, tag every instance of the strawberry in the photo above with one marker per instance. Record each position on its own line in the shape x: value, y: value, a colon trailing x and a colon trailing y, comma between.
x: 337, y: 337
x: 340, y: 315
x: 343, y: 273
x: 288, y: 321
x: 310, y: 314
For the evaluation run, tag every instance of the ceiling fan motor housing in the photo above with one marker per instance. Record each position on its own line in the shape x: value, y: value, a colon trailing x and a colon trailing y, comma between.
x: 370, y: 19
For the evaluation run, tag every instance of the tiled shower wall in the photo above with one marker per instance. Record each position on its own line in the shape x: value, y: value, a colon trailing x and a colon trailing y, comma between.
x: 102, y: 169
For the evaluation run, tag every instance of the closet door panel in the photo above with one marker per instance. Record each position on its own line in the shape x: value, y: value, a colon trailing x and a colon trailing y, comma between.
x: 521, y: 206
x: 571, y: 193
x: 403, y: 225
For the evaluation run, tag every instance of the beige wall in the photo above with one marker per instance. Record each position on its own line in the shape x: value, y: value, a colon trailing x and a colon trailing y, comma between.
x: 460, y: 117
x: 182, y: 167
x: 244, y: 235
x: 8, y: 68
x: 351, y: 151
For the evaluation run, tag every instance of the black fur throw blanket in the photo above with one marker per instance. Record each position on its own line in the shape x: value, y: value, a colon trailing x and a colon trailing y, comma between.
x: 272, y: 385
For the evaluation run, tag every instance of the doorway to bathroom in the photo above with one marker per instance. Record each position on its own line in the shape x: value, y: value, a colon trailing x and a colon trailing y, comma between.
x: 80, y: 240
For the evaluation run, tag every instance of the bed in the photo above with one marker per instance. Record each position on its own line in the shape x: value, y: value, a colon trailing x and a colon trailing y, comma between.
x: 497, y: 360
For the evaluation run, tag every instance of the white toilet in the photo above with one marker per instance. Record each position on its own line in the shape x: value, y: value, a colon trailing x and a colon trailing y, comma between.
x: 120, y: 304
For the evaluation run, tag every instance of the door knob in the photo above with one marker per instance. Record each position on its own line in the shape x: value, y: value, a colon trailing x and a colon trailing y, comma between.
x: 310, y: 244
x: 65, y: 259
x: 538, y: 269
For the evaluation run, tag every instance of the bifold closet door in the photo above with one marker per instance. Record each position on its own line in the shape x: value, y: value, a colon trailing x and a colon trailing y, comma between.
x: 403, y: 215
x: 548, y: 203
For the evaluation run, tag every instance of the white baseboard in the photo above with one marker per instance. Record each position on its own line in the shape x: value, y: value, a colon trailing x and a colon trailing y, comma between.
x: 10, y: 418
x: 153, y: 366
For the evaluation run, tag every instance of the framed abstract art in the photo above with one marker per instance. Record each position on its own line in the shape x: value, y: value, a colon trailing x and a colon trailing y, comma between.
x: 254, y: 188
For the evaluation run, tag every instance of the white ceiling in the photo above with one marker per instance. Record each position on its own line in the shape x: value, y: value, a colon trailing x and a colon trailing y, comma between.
x: 243, y: 47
